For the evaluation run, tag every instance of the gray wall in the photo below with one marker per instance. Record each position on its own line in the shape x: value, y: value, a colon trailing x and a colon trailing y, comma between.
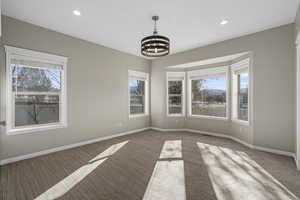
x: 96, y: 86
x: 297, y: 29
x: 297, y: 22
x: 274, y: 81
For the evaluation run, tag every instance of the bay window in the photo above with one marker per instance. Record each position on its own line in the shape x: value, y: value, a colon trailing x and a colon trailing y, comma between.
x: 213, y: 93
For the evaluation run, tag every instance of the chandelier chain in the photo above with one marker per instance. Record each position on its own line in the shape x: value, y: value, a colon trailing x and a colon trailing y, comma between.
x: 155, y: 19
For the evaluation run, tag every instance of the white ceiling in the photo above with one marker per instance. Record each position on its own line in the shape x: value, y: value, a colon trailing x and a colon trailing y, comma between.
x: 121, y: 24
x: 209, y: 61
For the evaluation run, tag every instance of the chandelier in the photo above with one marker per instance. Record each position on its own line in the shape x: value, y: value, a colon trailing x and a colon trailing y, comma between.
x: 155, y: 45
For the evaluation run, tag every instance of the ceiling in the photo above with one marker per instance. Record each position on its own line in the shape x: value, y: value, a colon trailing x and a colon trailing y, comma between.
x: 210, y: 61
x: 121, y: 24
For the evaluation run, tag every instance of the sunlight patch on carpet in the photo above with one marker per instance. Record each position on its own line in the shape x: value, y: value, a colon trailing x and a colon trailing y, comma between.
x: 167, y: 180
x: 171, y: 149
x: 235, y: 176
x: 65, y: 185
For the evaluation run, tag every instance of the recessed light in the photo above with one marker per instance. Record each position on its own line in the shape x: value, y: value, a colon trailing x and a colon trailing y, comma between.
x: 224, y: 22
x: 76, y: 12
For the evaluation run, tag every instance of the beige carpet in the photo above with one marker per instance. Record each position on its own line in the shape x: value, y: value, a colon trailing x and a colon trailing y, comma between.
x: 154, y: 165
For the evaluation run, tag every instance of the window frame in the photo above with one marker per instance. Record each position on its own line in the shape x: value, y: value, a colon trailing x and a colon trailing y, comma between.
x: 143, y: 76
x: 194, y: 75
x: 176, y: 76
x: 17, y: 53
x: 243, y: 65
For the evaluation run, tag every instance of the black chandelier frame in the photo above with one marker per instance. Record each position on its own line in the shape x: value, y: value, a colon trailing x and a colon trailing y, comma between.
x: 155, y: 45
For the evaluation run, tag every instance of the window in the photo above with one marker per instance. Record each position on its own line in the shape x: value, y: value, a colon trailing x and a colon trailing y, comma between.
x: 36, y: 91
x: 175, y: 94
x: 138, y: 93
x: 243, y: 96
x: 208, y: 93
x: 240, y: 90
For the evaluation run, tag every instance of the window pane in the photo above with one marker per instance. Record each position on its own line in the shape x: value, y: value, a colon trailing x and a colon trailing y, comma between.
x: 27, y: 79
x: 36, y: 109
x: 36, y: 95
x: 174, y: 100
x: 175, y: 104
x: 137, y: 96
x: 175, y: 87
x: 175, y: 110
x: 209, y: 96
x: 243, y: 96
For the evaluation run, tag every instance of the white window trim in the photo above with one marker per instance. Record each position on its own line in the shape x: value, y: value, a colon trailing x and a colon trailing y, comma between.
x: 193, y: 75
x: 176, y: 76
x: 239, y: 66
x: 143, y: 76
x: 209, y: 117
x: 13, y: 52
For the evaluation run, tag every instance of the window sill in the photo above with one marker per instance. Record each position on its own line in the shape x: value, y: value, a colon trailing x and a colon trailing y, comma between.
x: 175, y: 115
x: 19, y: 131
x: 241, y: 122
x: 209, y: 117
x: 138, y: 115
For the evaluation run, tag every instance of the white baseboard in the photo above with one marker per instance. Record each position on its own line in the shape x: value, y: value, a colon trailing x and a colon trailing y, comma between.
x: 297, y: 162
x: 61, y: 148
x: 167, y: 130
x: 269, y: 150
x: 65, y: 147
x: 275, y: 151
